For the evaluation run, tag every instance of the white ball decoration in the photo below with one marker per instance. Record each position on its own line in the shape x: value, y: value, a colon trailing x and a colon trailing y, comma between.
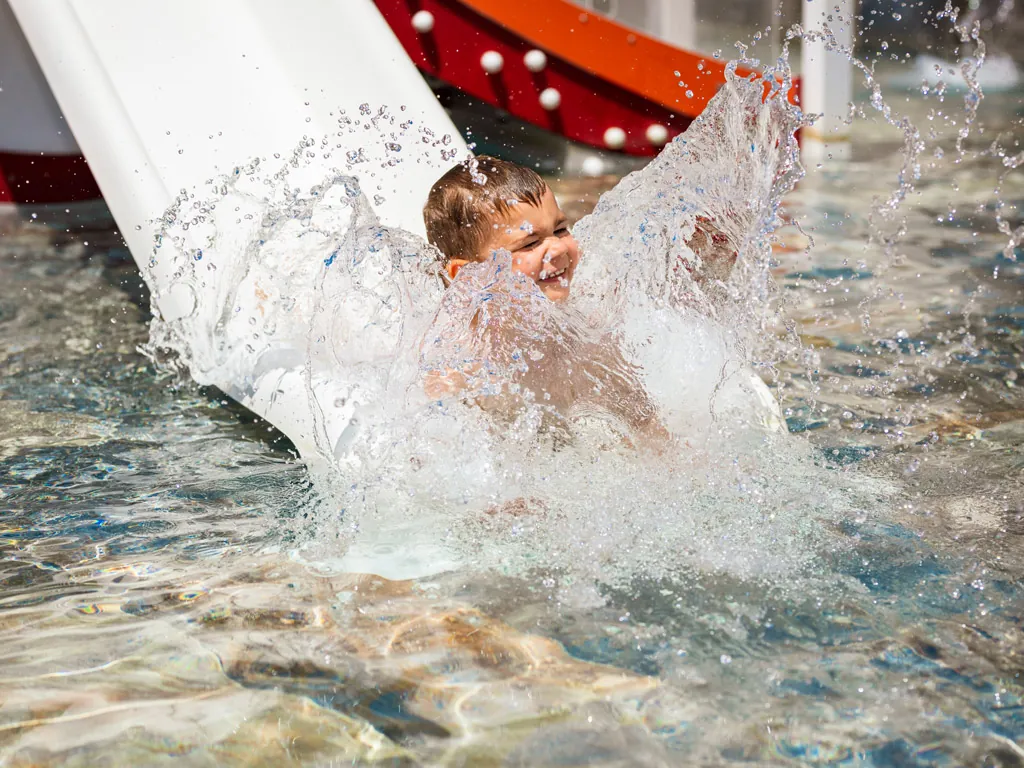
x: 423, y: 21
x: 593, y: 166
x: 615, y: 138
x: 492, y: 62
x: 550, y: 99
x: 657, y: 134
x: 535, y: 60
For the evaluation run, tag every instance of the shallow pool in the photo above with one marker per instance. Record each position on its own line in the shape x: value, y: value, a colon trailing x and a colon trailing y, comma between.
x: 153, y: 607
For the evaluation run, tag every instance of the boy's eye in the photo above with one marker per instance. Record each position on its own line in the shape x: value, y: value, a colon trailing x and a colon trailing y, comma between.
x: 528, y: 245
x: 562, y: 231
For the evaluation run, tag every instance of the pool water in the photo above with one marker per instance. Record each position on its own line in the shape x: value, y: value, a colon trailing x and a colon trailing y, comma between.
x: 155, y: 604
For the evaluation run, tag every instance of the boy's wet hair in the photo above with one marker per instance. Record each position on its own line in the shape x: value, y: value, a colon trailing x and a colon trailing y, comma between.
x: 460, y: 211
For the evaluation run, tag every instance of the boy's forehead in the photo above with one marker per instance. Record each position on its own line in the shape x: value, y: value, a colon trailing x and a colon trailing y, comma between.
x: 517, y: 210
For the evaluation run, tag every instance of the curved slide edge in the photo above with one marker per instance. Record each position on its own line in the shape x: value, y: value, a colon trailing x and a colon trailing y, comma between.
x: 162, y: 97
x: 145, y: 86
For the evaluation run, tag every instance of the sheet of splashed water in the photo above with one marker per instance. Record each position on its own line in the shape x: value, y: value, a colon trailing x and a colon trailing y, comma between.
x: 304, y: 278
x: 151, y: 610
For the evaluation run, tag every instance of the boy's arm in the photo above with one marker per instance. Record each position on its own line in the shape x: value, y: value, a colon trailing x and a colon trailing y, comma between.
x: 473, y: 385
x: 620, y: 391
x: 441, y: 384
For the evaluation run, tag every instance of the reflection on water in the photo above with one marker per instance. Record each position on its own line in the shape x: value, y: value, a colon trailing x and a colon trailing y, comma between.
x: 152, y: 607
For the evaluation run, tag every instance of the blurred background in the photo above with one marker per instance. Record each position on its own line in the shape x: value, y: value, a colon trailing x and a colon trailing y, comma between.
x: 889, y: 36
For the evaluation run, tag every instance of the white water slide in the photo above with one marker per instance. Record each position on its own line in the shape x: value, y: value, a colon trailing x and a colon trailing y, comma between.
x: 163, y: 95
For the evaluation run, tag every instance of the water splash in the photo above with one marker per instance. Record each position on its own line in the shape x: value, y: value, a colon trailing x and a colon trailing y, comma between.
x: 623, y: 433
x: 568, y: 499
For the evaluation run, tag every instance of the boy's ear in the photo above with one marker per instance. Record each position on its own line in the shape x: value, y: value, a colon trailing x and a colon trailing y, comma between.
x: 453, y: 267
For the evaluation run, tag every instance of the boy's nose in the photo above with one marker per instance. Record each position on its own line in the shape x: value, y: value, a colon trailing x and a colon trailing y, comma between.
x: 553, y: 247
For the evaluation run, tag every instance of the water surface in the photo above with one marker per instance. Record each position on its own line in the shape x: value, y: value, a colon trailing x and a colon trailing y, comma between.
x: 161, y: 600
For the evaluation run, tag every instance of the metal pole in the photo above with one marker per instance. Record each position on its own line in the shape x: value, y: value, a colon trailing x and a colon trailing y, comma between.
x: 827, y: 77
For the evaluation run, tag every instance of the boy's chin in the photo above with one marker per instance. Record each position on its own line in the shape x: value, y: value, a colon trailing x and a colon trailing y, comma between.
x: 555, y: 292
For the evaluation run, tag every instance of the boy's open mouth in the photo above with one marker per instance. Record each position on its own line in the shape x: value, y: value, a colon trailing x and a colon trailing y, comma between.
x: 548, y: 276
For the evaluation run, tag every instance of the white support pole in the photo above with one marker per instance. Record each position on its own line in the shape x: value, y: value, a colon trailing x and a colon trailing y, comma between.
x: 676, y: 22
x: 827, y: 87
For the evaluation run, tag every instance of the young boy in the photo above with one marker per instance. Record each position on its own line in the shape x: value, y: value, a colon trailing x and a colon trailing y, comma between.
x: 476, y: 209
x: 513, y: 209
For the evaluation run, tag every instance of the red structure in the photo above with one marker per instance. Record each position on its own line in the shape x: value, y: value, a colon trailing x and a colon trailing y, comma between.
x: 42, y: 177
x: 553, y: 64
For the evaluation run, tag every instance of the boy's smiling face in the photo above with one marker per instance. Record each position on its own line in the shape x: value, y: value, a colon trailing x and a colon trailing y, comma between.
x: 541, y: 245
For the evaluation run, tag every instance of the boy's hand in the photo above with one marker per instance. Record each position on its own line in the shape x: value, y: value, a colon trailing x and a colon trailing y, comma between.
x: 717, y: 255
